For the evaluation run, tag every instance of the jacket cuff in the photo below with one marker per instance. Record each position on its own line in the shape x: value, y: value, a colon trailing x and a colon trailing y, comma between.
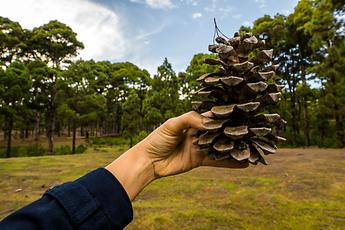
x: 110, y: 194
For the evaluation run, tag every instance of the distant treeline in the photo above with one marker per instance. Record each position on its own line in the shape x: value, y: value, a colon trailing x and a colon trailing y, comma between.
x: 41, y: 89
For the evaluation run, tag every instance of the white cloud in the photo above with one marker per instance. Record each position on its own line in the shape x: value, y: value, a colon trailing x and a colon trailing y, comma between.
x: 220, y: 8
x: 191, y: 2
x: 97, y: 27
x: 196, y: 15
x: 211, y: 8
x: 146, y: 35
x: 140, y: 52
x: 262, y: 3
x: 160, y: 4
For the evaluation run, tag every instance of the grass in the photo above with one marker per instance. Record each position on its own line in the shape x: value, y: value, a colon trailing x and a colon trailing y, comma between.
x: 299, y: 189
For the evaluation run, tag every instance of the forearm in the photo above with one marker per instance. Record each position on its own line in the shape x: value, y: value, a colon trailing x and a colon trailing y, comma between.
x: 133, y: 169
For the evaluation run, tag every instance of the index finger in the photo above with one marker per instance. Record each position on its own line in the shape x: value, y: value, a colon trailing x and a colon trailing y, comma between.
x: 186, y: 121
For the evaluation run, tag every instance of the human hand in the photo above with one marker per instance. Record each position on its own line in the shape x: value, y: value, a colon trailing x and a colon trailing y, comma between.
x: 170, y: 149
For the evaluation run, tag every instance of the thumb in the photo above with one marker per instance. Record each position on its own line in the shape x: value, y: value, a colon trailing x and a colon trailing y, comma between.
x: 186, y: 121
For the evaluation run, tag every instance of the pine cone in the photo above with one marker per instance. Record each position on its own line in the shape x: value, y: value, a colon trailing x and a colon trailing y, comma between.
x: 237, y: 95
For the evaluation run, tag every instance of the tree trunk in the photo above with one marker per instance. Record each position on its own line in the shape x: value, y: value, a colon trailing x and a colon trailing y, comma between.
x: 87, y: 136
x: 74, y: 138
x: 50, y: 130
x: 26, y: 133
x: 96, y: 129
x: 58, y: 128
x: 339, y: 117
x: 69, y: 129
x: 22, y: 133
x: 304, y: 101
x: 322, y: 130
x: 103, y: 128
x: 291, y: 81
x: 81, y: 131
x: 306, y: 122
x: 4, y: 130
x: 339, y: 124
x: 295, y: 126
x: 9, y: 136
x: 37, y: 126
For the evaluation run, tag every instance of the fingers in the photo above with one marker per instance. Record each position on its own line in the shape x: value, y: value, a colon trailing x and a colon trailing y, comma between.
x: 186, y: 121
x: 226, y: 163
x: 208, y: 114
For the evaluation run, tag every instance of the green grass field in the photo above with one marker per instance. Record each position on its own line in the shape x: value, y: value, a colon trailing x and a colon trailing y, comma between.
x: 299, y: 189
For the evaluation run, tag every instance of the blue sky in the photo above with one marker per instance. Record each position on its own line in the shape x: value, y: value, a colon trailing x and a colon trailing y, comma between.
x: 144, y: 31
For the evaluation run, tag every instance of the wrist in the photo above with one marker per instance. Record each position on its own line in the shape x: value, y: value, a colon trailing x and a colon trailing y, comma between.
x: 133, y: 169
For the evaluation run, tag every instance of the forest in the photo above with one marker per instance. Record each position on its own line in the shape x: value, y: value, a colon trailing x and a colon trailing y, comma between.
x: 45, y: 90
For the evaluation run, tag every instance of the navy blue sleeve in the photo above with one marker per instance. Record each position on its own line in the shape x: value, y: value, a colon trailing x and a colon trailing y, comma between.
x: 94, y: 201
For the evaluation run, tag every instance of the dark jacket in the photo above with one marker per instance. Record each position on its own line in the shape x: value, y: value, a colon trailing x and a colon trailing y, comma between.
x: 94, y: 201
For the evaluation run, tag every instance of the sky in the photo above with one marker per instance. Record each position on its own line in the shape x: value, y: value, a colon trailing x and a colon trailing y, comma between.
x: 144, y: 32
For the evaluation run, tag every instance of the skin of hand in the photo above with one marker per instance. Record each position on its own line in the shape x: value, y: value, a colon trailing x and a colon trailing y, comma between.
x: 170, y: 149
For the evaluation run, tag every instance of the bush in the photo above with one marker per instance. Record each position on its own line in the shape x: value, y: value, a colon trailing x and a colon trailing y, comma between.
x: 139, y: 137
x: 36, y: 150
x: 24, y: 151
x: 66, y: 149
x: 81, y: 148
x: 63, y: 149
x: 109, y: 141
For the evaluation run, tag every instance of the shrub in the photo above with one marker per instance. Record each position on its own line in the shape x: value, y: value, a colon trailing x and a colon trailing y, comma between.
x: 38, y: 150
x: 24, y: 151
x: 63, y: 149
x: 109, y: 141
x: 35, y: 150
x: 139, y: 137
x: 81, y: 148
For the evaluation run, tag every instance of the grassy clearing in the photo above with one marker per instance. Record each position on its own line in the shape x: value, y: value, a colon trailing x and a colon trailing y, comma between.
x: 301, y: 188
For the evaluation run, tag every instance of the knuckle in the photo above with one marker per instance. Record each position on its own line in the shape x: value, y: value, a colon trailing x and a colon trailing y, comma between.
x: 170, y: 122
x: 192, y: 114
